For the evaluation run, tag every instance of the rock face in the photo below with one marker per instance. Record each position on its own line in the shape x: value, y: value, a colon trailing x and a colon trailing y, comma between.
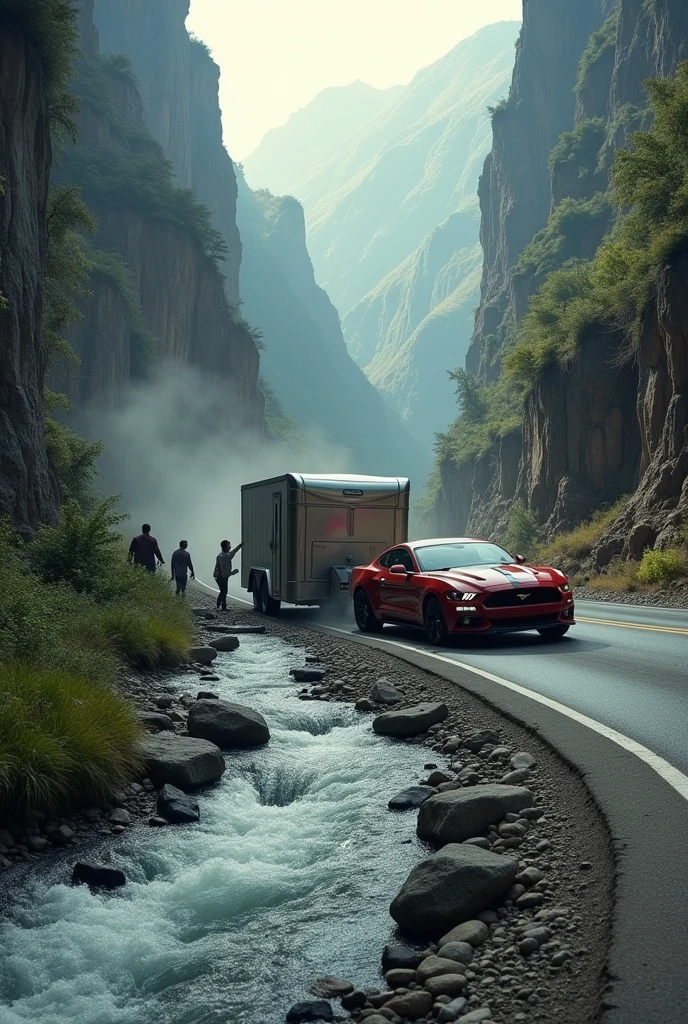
x: 28, y: 493
x: 448, y: 887
x: 183, y: 761
x: 228, y: 725
x: 596, y: 428
x: 464, y: 813
x: 410, y: 721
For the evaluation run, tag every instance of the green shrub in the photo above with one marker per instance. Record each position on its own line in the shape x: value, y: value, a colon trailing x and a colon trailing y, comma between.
x: 568, y: 232
x: 488, y: 413
x: 522, y: 530
x: 657, y: 567
x: 600, y: 42
x: 79, y: 550
x: 61, y: 738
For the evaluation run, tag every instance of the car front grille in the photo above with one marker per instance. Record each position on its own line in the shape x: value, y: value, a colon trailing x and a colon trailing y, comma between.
x: 523, y: 597
x: 531, y: 622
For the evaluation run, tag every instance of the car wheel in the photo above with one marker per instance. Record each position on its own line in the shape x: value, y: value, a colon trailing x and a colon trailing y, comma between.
x: 363, y: 612
x: 435, y: 623
x: 268, y: 605
x: 555, y: 633
x: 255, y: 593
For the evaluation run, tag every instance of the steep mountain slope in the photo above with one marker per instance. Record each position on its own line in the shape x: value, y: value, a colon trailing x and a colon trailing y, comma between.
x: 304, y: 358
x: 288, y: 154
x: 590, y: 327
x: 392, y: 220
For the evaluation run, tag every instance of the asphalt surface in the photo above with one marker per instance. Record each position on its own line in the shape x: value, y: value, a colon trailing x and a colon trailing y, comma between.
x: 625, y: 667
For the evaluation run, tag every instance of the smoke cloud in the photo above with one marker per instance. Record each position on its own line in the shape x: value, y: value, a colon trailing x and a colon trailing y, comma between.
x: 177, y: 465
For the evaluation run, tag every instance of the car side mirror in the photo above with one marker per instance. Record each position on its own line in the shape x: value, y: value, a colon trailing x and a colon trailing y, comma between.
x: 398, y: 570
x: 520, y: 559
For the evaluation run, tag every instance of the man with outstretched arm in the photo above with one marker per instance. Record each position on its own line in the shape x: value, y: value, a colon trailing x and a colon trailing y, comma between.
x: 223, y: 570
x: 180, y: 566
x: 144, y: 550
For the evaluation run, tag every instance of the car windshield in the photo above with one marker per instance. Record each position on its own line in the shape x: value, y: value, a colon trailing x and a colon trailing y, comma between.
x: 436, y: 557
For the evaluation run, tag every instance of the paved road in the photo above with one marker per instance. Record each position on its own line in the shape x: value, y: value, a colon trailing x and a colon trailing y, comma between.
x: 623, y: 665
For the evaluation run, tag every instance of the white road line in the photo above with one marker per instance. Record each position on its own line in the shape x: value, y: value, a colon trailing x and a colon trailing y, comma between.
x: 675, y: 778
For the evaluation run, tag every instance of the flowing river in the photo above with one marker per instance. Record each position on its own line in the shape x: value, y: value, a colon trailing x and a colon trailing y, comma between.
x: 288, y: 877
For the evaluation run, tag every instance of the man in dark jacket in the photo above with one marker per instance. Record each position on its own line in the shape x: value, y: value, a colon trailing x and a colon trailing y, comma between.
x: 144, y: 550
x: 223, y: 570
x: 180, y: 566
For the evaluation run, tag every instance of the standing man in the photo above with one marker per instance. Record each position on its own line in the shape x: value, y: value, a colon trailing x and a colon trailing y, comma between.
x: 144, y: 550
x: 223, y: 570
x: 180, y: 564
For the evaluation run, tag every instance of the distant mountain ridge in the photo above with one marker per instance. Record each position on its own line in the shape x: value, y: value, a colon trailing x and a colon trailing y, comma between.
x: 393, y: 224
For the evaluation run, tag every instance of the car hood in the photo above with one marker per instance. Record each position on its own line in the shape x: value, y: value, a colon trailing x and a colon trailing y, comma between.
x: 496, y: 577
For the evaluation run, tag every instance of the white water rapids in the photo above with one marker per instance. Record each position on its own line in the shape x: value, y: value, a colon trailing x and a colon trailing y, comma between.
x: 288, y: 877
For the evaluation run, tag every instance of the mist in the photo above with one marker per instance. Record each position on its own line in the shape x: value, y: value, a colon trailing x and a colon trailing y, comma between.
x: 172, y: 456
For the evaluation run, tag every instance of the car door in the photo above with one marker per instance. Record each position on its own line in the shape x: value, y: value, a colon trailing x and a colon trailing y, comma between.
x: 376, y: 577
x: 399, y: 597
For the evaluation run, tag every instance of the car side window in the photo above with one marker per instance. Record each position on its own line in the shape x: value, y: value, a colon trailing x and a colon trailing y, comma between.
x: 384, y: 561
x: 402, y: 557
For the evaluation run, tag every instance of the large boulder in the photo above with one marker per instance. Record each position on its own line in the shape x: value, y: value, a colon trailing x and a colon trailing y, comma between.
x: 224, y: 643
x: 454, y: 884
x: 183, y: 761
x: 176, y: 806
x: 410, y: 721
x: 460, y: 814
x: 228, y: 725
x: 384, y: 692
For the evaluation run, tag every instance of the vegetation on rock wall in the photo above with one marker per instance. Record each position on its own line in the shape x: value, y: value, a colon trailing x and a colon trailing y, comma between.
x: 487, y: 414
x: 601, y: 42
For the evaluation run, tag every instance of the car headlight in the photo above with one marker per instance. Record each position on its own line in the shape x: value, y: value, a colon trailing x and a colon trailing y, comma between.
x: 458, y: 595
x: 566, y: 587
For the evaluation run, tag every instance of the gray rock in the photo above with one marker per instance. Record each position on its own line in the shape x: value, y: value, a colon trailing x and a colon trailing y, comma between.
x: 479, y: 739
x: 174, y: 805
x: 165, y: 701
x: 476, y: 1016
x: 410, y: 721
x: 228, y: 725
x: 541, y: 934
x: 560, y: 958
x: 514, y: 892
x: 528, y: 946
x: 473, y: 932
x: 6, y: 838
x: 354, y: 1001
x: 461, y: 814
x: 61, y: 835
x: 414, y: 796
x: 529, y: 876
x: 98, y: 875
x: 318, y: 1009
x: 376, y: 1018
x: 207, y: 695
x: 514, y: 778
x: 203, y: 613
x: 452, y: 885
x: 400, y: 977
x: 533, y: 813
x: 438, y: 777
x: 203, y: 655
x: 462, y: 952
x: 119, y: 816
x: 402, y: 957
x: 446, y: 985
x: 432, y: 966
x: 522, y: 759
x: 364, y: 704
x: 224, y: 643
x: 480, y: 841
x: 155, y: 721
x: 384, y: 692
x: 183, y: 761
x: 452, y: 1010
x: 331, y: 988
x: 411, y: 1005
x: 307, y: 675
x: 36, y: 844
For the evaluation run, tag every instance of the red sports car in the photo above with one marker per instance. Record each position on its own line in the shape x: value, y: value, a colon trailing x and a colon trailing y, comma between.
x: 458, y: 586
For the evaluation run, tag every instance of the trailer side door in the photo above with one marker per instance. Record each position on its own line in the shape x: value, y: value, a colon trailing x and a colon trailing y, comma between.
x: 276, y: 545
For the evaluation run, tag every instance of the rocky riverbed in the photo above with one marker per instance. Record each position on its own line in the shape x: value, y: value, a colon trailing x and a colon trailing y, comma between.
x: 534, y: 945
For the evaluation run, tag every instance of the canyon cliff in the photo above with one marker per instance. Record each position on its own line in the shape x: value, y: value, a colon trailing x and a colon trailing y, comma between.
x: 392, y: 219
x: 609, y: 419
x: 28, y: 491
x: 304, y: 359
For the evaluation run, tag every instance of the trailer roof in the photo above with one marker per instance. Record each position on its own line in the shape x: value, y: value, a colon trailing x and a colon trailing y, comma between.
x: 336, y: 481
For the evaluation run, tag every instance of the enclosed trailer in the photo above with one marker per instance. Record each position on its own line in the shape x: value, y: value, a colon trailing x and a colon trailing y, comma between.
x: 303, y: 534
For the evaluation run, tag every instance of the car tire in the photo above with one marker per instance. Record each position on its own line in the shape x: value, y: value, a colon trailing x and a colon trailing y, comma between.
x: 255, y: 593
x: 554, y: 633
x: 268, y: 605
x: 364, y: 614
x: 435, y: 623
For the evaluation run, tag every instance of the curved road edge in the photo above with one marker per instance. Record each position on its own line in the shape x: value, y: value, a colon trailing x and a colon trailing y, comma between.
x: 647, y: 816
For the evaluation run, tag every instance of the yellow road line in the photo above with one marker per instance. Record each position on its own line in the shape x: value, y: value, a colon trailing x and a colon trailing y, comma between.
x: 631, y: 625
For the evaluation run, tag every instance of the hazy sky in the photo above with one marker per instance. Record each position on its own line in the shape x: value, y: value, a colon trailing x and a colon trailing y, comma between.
x: 276, y: 55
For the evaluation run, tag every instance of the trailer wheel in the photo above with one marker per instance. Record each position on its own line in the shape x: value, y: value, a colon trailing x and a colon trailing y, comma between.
x: 255, y: 593
x: 268, y: 605
x: 365, y: 617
